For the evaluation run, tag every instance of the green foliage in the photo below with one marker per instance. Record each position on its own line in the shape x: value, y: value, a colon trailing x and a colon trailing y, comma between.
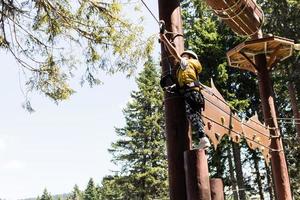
x: 140, y: 149
x: 45, y: 196
x: 90, y: 192
x: 293, y: 156
x: 51, y: 81
x: 109, y: 190
x: 76, y: 194
x: 51, y: 39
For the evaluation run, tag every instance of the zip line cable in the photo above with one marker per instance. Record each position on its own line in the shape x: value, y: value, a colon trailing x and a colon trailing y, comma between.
x: 244, y: 124
x: 288, y: 119
x: 294, y: 123
x: 240, y: 134
x: 233, y: 116
x: 211, y: 93
x: 160, y: 21
x: 271, y: 149
x: 150, y: 12
x: 229, y: 129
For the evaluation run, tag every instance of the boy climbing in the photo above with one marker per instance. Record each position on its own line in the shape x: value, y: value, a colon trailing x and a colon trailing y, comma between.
x: 187, y: 78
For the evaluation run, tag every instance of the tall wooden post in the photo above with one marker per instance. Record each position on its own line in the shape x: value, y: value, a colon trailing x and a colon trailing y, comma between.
x: 177, y: 129
x: 197, y: 177
x: 217, y: 189
x: 278, y: 161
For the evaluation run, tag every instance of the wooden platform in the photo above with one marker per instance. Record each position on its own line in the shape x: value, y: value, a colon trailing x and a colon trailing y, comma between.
x: 244, y: 17
x: 275, y: 48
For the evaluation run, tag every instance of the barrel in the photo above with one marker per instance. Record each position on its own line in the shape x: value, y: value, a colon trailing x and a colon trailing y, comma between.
x: 244, y: 17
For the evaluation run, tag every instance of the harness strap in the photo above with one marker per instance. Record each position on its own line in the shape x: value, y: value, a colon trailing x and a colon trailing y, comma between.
x: 192, y: 85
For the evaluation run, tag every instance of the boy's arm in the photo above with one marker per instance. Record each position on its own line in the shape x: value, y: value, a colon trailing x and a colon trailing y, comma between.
x: 170, y: 47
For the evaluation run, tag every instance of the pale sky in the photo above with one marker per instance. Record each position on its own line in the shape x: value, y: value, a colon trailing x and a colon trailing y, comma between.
x: 59, y: 146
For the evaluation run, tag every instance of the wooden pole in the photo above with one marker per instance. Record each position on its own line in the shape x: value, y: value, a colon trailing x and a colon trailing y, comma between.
x: 278, y: 161
x: 217, y: 189
x: 197, y: 177
x: 177, y: 128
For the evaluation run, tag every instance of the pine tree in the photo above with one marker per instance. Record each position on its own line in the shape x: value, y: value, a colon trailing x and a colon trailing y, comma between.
x: 238, y: 170
x: 112, y: 188
x: 140, y: 149
x: 76, y: 194
x: 90, y: 192
x: 45, y: 195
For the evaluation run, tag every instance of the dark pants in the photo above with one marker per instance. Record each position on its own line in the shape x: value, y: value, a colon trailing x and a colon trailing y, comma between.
x: 194, y: 102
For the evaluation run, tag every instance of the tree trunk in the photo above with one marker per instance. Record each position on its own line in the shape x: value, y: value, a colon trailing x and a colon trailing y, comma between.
x: 219, y: 166
x: 257, y: 172
x: 295, y: 109
x: 239, y: 170
x: 270, y: 184
x: 232, y: 177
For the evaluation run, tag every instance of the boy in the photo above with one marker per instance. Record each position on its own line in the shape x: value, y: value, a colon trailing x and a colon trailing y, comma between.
x: 187, y: 77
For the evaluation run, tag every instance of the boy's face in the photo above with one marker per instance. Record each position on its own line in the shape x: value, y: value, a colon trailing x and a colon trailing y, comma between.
x: 187, y: 56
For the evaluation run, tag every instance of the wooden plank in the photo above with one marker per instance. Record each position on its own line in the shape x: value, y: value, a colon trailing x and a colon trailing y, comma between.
x: 215, y: 115
x: 235, y: 49
x: 219, y: 121
x: 255, y: 46
x: 273, y: 57
x: 244, y: 23
x: 250, y: 62
x: 269, y: 39
x: 219, y: 5
x: 257, y: 136
x: 275, y: 48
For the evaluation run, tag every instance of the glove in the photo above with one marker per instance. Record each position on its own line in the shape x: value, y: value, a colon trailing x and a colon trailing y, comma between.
x: 171, y: 88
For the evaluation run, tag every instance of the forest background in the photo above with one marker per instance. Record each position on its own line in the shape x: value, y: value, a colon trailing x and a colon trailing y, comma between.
x: 139, y: 149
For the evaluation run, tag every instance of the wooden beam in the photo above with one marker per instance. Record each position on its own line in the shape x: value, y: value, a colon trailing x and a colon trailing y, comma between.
x: 282, y: 40
x: 249, y: 60
x: 273, y: 57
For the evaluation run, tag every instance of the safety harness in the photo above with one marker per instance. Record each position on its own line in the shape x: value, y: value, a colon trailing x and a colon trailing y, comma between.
x: 167, y: 81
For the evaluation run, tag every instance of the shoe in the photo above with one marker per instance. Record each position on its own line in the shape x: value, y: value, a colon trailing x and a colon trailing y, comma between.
x: 204, y: 143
